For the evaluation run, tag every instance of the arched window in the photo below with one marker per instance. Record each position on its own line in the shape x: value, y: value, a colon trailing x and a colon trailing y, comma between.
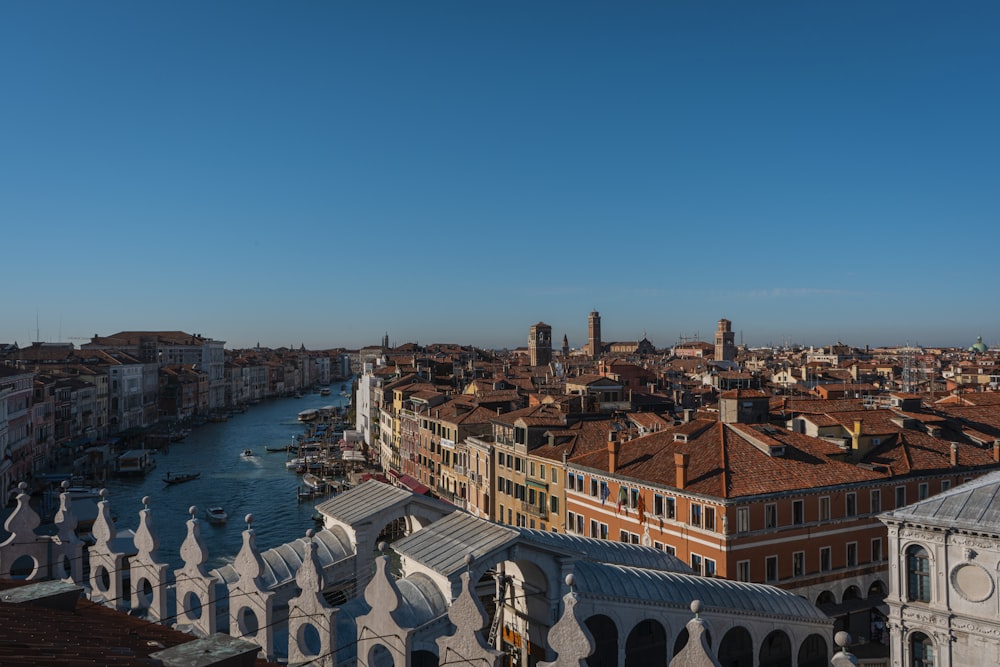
x: 921, y: 650
x: 918, y: 574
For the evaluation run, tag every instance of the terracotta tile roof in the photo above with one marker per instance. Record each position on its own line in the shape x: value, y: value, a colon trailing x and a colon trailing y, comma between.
x: 90, y: 634
x: 725, y: 462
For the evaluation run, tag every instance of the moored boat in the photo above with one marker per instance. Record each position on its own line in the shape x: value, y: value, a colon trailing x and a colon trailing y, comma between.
x: 308, y: 415
x: 216, y: 515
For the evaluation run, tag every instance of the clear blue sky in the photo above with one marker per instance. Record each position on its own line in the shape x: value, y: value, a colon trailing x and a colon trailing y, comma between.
x: 324, y: 172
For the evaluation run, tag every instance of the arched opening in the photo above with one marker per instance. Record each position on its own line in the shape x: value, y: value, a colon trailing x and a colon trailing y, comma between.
x: 144, y: 594
x: 921, y: 650
x: 918, y: 574
x: 825, y: 598
x: 646, y: 645
x: 527, y: 610
x: 247, y: 622
x: 308, y: 640
x: 605, y: 634
x: 852, y: 593
x: 423, y: 659
x: 102, y: 579
x: 812, y: 653
x: 23, y: 567
x: 192, y: 604
x: 877, y: 589
x: 736, y: 648
x: 379, y: 656
x: 776, y: 650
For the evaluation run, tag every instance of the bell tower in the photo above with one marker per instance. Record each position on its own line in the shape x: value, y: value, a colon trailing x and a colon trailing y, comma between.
x: 540, y: 344
x: 594, y: 334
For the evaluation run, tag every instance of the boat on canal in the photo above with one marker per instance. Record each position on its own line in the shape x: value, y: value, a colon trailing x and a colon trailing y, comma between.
x: 180, y: 479
x: 216, y: 515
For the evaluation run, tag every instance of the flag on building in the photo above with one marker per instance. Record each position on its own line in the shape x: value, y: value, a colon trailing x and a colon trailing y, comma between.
x: 622, y: 500
x: 605, y: 492
x: 642, y: 507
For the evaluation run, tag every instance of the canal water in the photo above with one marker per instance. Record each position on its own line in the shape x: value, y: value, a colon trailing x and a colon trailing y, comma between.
x: 259, y: 484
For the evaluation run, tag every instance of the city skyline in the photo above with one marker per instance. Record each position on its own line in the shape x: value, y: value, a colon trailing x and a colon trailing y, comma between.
x: 321, y: 174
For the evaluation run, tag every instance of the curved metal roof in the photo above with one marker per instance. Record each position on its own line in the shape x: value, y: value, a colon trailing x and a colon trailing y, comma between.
x: 282, y: 562
x: 671, y: 588
x: 606, y: 551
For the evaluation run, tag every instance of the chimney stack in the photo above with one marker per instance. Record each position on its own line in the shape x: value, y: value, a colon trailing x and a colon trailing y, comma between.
x: 954, y: 455
x: 856, y: 436
x: 613, y: 449
x: 681, y: 460
x: 996, y: 451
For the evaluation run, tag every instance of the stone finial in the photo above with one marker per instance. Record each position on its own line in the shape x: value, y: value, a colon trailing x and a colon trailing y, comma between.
x: 310, y: 609
x: 697, y: 652
x: 466, y: 613
x: 844, y: 658
x: 569, y: 637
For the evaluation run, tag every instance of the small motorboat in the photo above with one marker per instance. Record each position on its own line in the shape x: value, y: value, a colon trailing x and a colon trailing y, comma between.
x: 216, y: 515
x: 247, y: 453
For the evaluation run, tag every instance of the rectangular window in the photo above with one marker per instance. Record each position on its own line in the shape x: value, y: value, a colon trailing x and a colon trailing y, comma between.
x: 770, y: 515
x: 771, y: 568
x: 709, y: 518
x: 945, y: 484
x: 824, y: 559
x: 852, y: 554
x: 695, y: 514
x: 824, y: 508
x: 657, y: 505
x: 922, y: 491
x: 579, y: 524
x: 876, y: 501
x: 532, y: 498
x: 743, y: 570
x: 501, y: 514
x: 593, y: 487
x: 554, y: 504
x: 670, y: 550
x: 595, y: 530
x: 900, y: 496
x: 604, y: 531
x: 798, y: 512
x: 623, y: 536
x: 798, y: 563
x: 877, y: 550
x: 571, y: 522
x: 531, y: 468
x: 742, y: 519
x: 541, y: 471
x: 709, y: 567
x: 696, y: 563
x: 669, y: 508
x: 851, y: 504
x: 633, y: 498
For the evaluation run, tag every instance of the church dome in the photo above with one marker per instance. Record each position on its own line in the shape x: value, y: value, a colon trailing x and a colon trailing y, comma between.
x: 979, y: 347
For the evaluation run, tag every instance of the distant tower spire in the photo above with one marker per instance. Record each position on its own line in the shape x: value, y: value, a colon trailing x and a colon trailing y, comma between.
x: 565, y: 348
x: 385, y: 342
